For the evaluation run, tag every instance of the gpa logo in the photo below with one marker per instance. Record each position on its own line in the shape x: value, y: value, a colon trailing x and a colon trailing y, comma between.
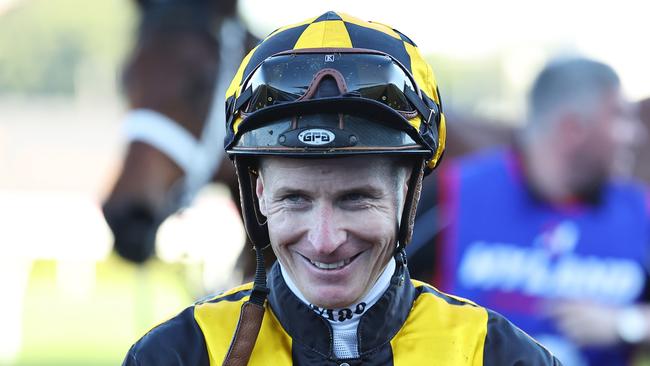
x: 329, y: 58
x: 316, y: 137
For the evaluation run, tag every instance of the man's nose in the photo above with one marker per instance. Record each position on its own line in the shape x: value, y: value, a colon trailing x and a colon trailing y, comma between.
x: 327, y: 232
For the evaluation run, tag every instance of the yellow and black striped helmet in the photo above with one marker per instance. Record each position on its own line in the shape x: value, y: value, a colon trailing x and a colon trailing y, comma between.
x: 335, y: 85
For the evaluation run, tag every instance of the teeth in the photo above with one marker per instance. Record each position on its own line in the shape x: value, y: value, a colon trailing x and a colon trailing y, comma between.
x: 335, y: 265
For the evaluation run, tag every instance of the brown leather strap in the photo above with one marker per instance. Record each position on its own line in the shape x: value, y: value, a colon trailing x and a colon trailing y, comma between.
x: 252, y: 313
x: 410, y: 206
x: 318, y: 77
x: 243, y: 341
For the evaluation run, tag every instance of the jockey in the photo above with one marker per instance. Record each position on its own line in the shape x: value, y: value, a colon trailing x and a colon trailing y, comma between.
x: 332, y: 124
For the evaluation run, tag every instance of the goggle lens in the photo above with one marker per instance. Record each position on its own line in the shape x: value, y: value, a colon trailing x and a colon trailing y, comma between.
x: 287, y: 77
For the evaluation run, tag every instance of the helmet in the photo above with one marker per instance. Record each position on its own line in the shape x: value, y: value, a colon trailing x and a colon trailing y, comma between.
x: 333, y: 85
x: 329, y: 86
x: 376, y: 74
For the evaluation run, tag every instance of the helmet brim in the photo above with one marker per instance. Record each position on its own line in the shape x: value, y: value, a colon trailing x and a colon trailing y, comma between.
x: 275, y: 130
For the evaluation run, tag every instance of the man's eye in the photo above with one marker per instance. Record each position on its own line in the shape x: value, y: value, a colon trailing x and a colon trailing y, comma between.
x: 356, y: 198
x: 294, y: 198
x: 353, y: 197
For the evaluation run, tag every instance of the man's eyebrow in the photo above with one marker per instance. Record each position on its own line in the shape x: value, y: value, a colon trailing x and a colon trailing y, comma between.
x: 364, y: 188
x: 285, y: 190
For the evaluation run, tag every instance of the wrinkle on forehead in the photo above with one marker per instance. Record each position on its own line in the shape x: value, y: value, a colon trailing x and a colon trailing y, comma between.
x: 373, y: 166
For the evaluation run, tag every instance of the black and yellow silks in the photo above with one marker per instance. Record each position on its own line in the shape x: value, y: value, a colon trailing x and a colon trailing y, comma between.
x: 411, y: 324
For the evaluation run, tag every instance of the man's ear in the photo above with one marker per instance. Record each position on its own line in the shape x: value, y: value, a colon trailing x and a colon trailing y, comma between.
x: 407, y: 179
x: 403, y: 186
x: 259, y: 191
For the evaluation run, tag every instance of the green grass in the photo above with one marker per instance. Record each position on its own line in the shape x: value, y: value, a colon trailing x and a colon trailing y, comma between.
x: 96, y: 327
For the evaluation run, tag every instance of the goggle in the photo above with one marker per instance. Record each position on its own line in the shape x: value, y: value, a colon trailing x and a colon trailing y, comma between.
x: 287, y: 77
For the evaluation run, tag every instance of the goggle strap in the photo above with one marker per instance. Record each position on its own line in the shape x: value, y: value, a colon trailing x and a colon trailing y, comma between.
x: 433, y: 106
x: 439, y: 100
x: 414, y: 98
x: 243, y: 98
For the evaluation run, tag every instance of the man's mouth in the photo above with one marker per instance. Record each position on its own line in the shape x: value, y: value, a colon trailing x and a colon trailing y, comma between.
x: 334, y: 265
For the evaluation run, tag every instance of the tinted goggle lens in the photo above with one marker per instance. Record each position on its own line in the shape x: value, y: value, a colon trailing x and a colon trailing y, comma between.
x: 285, y: 78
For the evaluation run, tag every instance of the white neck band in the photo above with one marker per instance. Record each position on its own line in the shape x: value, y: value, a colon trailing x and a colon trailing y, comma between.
x: 345, y: 321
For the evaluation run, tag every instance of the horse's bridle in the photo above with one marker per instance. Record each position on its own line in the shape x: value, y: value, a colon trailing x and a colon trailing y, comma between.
x: 198, y: 158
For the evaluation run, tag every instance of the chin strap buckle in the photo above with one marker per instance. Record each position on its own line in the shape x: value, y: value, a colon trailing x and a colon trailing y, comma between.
x: 400, y: 258
x: 259, y: 294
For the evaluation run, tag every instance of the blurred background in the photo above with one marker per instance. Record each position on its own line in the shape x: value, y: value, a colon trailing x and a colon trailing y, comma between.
x: 66, y: 298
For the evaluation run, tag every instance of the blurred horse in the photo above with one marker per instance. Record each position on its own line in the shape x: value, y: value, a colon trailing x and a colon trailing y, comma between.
x: 175, y: 126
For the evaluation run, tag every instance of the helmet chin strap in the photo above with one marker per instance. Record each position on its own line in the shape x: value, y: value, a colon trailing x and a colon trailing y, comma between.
x: 405, y: 231
x: 405, y: 226
x: 252, y: 311
x: 255, y: 224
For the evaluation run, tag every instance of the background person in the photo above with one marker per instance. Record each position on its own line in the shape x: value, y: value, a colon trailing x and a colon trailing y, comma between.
x: 542, y: 232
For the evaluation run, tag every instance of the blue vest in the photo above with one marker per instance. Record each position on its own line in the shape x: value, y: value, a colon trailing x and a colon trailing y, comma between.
x: 508, y: 251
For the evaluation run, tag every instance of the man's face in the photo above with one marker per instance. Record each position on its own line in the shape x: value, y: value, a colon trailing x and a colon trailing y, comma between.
x: 608, y: 140
x: 332, y: 222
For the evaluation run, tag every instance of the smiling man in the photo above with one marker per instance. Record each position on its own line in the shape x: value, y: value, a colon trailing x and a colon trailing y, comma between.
x: 332, y: 124
x: 319, y: 215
